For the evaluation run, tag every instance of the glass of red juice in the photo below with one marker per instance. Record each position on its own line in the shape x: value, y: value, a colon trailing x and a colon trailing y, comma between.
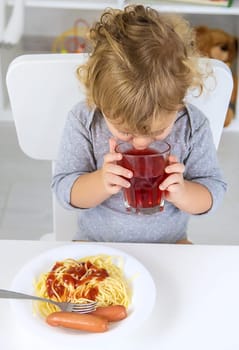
x: 148, y: 167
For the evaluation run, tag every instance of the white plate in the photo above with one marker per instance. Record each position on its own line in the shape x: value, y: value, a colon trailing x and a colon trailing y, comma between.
x: 143, y: 293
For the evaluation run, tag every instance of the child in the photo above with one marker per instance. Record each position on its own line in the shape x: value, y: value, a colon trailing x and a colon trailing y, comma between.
x: 136, y: 78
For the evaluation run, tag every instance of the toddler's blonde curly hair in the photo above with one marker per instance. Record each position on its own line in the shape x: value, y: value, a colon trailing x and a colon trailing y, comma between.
x: 141, y: 66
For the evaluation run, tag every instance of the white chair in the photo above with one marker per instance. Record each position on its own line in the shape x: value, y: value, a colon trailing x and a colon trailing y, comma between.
x: 43, y: 88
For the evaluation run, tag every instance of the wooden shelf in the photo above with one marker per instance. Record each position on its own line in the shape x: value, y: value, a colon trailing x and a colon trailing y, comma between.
x: 159, y: 5
x: 195, y: 9
x: 71, y: 4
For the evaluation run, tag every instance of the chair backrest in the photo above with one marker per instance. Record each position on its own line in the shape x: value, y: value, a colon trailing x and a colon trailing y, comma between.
x: 43, y: 88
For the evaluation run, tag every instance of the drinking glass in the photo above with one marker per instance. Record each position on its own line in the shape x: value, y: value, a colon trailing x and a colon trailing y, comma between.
x: 148, y: 167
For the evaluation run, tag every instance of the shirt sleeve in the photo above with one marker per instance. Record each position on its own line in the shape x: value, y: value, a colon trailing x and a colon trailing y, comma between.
x: 75, y: 157
x: 202, y: 165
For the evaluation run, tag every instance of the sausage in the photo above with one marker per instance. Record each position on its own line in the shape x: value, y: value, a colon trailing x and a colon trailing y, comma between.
x: 74, y: 320
x: 111, y: 313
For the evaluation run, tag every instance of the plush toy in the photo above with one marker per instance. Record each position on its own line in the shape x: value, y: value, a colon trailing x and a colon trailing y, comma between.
x: 215, y: 43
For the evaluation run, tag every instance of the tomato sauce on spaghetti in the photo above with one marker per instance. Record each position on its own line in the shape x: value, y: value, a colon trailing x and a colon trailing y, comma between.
x: 94, y: 277
x: 74, y: 276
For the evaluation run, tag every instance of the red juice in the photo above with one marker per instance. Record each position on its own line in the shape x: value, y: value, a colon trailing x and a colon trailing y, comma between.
x: 148, y: 172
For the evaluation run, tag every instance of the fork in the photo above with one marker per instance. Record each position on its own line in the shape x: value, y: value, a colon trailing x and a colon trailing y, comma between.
x: 64, y: 306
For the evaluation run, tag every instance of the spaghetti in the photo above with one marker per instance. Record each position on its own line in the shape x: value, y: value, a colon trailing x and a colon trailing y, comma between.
x: 78, y: 281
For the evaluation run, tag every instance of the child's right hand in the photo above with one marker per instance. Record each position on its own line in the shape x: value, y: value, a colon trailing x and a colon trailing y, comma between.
x: 114, y: 176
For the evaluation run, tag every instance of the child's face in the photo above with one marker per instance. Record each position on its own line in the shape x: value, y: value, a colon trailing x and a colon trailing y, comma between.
x: 143, y: 141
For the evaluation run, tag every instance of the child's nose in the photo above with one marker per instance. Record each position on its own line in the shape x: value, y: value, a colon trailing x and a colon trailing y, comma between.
x: 140, y: 142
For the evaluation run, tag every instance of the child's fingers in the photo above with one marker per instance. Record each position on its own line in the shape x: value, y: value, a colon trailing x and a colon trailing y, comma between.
x: 173, y: 179
x: 171, y: 189
x: 172, y: 159
x: 175, y: 168
x: 112, y: 157
x: 115, y: 177
x: 115, y: 189
x: 118, y: 181
x: 166, y: 183
x: 118, y: 170
x: 112, y: 144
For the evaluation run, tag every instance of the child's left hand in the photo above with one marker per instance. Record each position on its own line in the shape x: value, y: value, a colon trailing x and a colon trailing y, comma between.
x: 174, y: 184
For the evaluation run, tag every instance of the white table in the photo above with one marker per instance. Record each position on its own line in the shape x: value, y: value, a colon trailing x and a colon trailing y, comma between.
x: 197, y: 304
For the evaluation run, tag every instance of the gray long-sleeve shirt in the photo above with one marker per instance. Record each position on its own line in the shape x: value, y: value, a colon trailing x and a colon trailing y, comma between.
x: 83, y: 146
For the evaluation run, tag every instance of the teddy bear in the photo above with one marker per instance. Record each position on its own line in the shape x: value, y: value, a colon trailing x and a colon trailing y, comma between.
x: 218, y: 44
